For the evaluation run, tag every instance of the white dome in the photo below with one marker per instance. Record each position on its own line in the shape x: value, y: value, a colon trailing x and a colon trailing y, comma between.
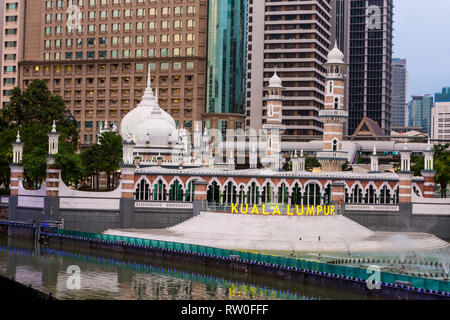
x: 148, y: 122
x: 153, y: 131
x: 335, y: 56
x: 275, y: 81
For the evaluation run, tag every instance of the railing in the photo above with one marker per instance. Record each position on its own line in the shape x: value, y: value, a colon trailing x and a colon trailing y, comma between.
x: 342, y: 272
x: 333, y: 113
x: 333, y: 154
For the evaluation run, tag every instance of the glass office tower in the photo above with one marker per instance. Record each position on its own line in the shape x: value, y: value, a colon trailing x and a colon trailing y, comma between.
x: 226, y: 56
x: 420, y: 112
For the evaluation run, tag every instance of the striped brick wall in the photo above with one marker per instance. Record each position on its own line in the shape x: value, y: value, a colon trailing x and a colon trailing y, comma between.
x: 52, y: 176
x: 429, y: 184
x: 127, y: 182
x: 16, y: 176
x: 405, y: 187
x: 200, y: 192
x: 338, y: 192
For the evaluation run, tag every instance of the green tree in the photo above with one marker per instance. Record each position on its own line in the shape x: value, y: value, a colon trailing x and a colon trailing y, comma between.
x: 311, y: 163
x: 111, y: 152
x: 32, y: 112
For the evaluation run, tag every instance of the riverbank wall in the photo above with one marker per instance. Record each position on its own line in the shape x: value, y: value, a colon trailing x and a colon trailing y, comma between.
x: 239, y: 262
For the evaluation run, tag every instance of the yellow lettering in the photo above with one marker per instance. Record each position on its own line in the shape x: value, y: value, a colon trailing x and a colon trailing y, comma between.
x: 234, y: 208
x: 319, y: 210
x: 288, y: 212
x: 264, y: 209
x: 277, y: 210
x: 254, y: 209
x: 310, y: 211
x: 242, y: 208
x: 332, y: 211
x: 296, y: 209
x: 325, y: 211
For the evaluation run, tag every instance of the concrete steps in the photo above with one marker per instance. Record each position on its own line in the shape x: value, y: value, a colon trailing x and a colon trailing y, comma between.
x: 283, y: 233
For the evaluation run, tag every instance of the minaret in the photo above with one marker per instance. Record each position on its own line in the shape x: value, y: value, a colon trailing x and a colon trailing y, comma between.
x: 274, y: 127
x: 429, y: 173
x: 334, y: 115
x: 374, y: 161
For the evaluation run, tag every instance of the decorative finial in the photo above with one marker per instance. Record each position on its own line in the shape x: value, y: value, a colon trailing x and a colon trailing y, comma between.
x: 54, y: 127
x: 295, y: 153
x: 18, y: 137
x: 149, y: 81
x: 374, y: 150
x: 301, y: 153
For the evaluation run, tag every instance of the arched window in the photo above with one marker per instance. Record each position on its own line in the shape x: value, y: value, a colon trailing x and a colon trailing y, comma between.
x: 370, y: 196
x: 213, y: 194
x: 253, y: 194
x: 312, y: 195
x: 356, y: 196
x: 331, y: 87
x: 335, y: 144
x: 296, y: 195
x: 283, y: 194
x: 385, y: 195
x: 229, y: 193
x: 336, y: 103
x: 176, y: 191
x: 190, y: 191
x: 160, y: 191
x: 142, y: 190
x: 267, y: 193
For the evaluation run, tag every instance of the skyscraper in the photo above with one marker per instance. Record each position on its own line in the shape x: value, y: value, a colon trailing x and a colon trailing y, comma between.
x: 420, y: 112
x: 225, y: 96
x: 293, y: 39
x: 443, y: 96
x: 96, y: 56
x: 370, y: 62
x: 12, y: 46
x: 399, y: 92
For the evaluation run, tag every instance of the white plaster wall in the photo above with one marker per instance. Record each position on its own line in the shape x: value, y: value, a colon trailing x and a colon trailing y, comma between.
x: 431, y: 209
x: 31, y: 202
x: 65, y: 191
x: 89, y: 203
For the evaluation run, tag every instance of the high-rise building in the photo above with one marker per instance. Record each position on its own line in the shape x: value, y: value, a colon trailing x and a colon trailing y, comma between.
x: 96, y: 53
x: 440, y: 120
x: 443, y: 96
x: 293, y: 39
x: 399, y: 92
x: 12, y: 46
x: 420, y: 112
x: 340, y: 24
x: 370, y: 62
x: 2, y: 9
x: 225, y: 97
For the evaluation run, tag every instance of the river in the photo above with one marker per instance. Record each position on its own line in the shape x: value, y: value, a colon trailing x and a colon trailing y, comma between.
x: 115, y: 277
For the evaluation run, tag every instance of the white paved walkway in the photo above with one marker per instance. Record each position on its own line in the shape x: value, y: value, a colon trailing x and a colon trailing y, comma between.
x: 285, y: 233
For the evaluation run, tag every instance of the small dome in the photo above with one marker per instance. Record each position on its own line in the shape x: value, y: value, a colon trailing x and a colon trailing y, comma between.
x: 275, y: 81
x: 148, y: 122
x: 335, y: 56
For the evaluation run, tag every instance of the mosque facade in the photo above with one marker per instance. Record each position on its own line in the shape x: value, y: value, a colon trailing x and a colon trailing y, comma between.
x: 164, y: 163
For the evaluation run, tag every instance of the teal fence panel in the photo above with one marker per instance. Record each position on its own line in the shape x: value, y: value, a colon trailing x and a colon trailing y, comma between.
x: 429, y: 284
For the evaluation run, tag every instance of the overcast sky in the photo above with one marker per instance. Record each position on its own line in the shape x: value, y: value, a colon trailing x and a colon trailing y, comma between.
x: 422, y: 35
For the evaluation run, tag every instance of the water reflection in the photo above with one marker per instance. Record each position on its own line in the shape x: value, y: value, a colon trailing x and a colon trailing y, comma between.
x: 112, y: 277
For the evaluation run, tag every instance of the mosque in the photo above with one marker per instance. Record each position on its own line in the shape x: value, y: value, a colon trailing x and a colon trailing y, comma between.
x: 169, y: 177
x: 161, y: 161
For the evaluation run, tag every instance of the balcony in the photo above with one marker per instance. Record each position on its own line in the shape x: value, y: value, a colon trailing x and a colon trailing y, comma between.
x: 338, y: 113
x: 333, y: 155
